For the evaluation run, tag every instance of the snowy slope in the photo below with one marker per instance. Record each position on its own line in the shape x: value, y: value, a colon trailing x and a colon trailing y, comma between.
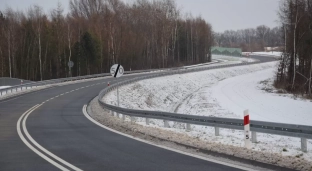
x: 269, y: 53
x: 273, y: 54
x: 244, y: 92
x: 222, y: 93
x: 230, y: 58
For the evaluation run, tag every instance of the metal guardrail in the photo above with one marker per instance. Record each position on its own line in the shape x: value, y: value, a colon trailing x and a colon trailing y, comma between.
x: 30, y: 85
x: 7, y: 81
x: 56, y: 81
x: 300, y: 131
x: 47, y: 82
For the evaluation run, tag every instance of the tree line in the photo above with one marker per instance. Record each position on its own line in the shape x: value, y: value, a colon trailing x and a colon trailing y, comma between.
x: 95, y: 34
x: 295, y: 69
x: 251, y: 39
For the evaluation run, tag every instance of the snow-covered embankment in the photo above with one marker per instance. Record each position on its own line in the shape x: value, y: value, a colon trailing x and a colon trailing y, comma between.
x: 205, y: 93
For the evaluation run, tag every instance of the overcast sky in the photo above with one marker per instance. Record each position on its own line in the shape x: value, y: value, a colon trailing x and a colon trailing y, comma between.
x: 221, y: 14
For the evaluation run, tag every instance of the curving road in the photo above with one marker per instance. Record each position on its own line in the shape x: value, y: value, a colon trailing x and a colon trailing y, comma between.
x: 69, y: 141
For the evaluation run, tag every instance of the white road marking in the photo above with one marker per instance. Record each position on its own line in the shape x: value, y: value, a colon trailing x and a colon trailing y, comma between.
x: 30, y: 146
x: 43, y: 149
x: 84, y: 110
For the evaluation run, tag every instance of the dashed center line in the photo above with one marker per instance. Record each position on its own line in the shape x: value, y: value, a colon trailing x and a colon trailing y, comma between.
x: 73, y: 91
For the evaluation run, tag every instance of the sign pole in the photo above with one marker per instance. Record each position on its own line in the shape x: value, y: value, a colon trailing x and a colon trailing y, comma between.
x: 118, y: 95
x: 70, y: 65
x: 117, y: 114
x: 117, y: 71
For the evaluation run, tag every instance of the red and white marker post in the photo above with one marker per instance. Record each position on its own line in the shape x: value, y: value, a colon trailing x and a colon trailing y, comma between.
x: 107, y: 83
x: 247, y: 129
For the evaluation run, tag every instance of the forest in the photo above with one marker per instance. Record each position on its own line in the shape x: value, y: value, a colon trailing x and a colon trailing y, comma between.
x: 95, y: 34
x: 251, y: 39
x: 295, y: 69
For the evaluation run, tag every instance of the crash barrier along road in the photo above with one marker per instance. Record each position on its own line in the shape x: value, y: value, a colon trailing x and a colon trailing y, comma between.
x: 303, y: 132
x: 29, y: 85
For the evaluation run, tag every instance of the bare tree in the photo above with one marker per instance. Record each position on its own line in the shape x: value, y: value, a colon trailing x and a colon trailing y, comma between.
x: 262, y: 31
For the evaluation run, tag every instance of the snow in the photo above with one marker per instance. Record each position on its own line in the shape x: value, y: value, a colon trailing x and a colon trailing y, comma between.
x: 273, y: 53
x: 244, y: 92
x: 182, y: 141
x: 226, y: 93
x: 230, y: 58
x: 3, y: 87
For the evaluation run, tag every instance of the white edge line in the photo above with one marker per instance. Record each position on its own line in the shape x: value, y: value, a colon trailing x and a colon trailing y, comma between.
x: 84, y: 110
x: 30, y: 146
x: 43, y: 149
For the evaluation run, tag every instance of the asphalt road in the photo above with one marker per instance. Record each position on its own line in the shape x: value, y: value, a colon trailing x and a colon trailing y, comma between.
x: 60, y: 127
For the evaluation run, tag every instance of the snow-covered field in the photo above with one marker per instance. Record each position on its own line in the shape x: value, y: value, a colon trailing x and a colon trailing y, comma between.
x: 221, y: 93
x: 244, y: 92
x: 273, y: 53
x: 233, y: 59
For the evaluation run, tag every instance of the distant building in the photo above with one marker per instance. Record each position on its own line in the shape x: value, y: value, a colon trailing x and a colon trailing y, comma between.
x: 215, y: 50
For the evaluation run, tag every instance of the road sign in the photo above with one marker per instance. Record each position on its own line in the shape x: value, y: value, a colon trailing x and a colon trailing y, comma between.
x: 70, y: 64
x: 117, y: 70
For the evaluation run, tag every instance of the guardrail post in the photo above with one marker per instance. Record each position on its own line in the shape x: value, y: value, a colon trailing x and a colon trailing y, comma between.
x: 147, y: 121
x: 166, y: 124
x: 253, y: 136
x: 304, y: 147
x: 217, y: 131
x: 132, y: 119
x: 188, y: 127
x: 247, y: 130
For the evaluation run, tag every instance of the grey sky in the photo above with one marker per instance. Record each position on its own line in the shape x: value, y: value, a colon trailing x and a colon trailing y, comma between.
x: 221, y: 14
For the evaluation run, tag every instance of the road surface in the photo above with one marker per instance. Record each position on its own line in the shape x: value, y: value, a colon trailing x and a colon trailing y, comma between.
x: 60, y: 127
